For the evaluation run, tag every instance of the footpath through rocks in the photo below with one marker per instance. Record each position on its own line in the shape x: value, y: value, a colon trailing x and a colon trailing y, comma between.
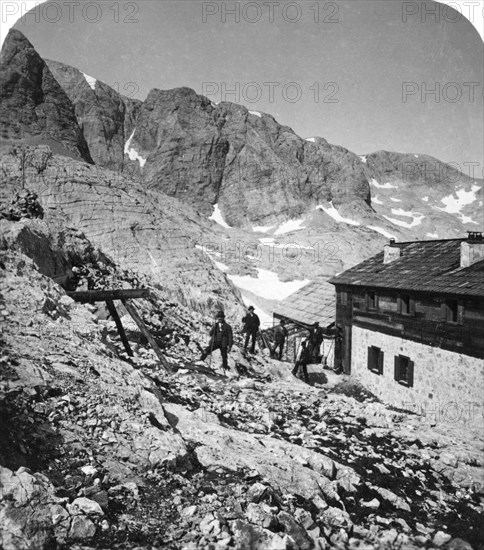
x: 104, y: 451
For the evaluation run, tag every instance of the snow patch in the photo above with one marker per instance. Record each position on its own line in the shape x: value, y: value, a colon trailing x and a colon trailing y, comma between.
x: 416, y: 156
x: 455, y: 203
x: 387, y: 185
x: 401, y: 212
x: 90, y: 80
x: 218, y: 265
x: 221, y: 266
x: 395, y: 200
x: 262, y: 229
x: 466, y: 219
x: 132, y: 153
x: 417, y: 218
x: 217, y: 217
x: 267, y: 284
x: 363, y: 159
x: 256, y: 113
x: 432, y: 235
x: 425, y: 199
x: 312, y: 140
x: 376, y: 200
x: 331, y: 211
x: 267, y: 240
x: 290, y: 225
x: 382, y: 231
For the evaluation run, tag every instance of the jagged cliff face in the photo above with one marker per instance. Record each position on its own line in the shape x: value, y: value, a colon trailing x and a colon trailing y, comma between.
x: 106, y: 118
x: 204, y: 154
x: 179, y: 136
x: 34, y: 107
x: 261, y: 173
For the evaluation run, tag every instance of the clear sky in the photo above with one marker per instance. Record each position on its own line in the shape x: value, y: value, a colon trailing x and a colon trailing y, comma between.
x: 366, y: 74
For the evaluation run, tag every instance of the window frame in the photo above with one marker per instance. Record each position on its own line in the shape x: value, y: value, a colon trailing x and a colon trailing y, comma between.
x: 409, y: 302
x: 452, y: 311
x: 406, y: 380
x: 371, y: 299
x: 375, y: 360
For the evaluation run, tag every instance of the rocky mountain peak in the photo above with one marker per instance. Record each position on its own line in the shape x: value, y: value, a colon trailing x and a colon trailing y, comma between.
x: 34, y: 108
x: 106, y: 117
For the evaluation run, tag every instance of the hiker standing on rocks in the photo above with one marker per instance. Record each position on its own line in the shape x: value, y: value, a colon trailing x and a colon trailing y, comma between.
x: 251, y: 328
x: 221, y: 337
x: 280, y: 335
x: 315, y: 340
x: 302, y: 360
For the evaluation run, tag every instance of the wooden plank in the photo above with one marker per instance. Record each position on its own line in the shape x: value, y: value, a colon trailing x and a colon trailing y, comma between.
x: 119, y: 326
x: 89, y: 296
x: 131, y: 309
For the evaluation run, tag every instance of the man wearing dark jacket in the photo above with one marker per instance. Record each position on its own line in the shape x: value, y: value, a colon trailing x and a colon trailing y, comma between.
x: 221, y: 337
x: 302, y: 360
x: 251, y: 328
x: 280, y: 335
x: 315, y: 340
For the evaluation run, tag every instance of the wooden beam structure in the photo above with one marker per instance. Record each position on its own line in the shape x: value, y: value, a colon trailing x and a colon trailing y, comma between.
x: 125, y: 295
x: 91, y: 296
x: 119, y: 326
x: 130, y: 308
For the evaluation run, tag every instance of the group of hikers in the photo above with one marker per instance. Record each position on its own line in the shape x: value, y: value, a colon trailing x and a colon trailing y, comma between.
x: 221, y: 338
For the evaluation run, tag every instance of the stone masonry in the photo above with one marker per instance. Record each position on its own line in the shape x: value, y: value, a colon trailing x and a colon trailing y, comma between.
x: 448, y: 386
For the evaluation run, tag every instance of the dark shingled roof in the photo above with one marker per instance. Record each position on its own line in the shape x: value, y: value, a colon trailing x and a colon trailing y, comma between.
x: 314, y: 302
x: 424, y: 266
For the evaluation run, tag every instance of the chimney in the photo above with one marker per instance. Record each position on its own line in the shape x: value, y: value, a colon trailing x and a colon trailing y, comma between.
x: 472, y: 249
x: 390, y: 252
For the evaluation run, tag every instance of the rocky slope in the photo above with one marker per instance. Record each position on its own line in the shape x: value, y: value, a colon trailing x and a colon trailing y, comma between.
x: 105, y: 452
x: 148, y: 232
x: 34, y: 107
x: 425, y: 196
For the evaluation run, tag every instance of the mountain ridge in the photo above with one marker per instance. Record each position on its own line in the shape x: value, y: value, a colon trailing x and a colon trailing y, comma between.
x: 225, y: 154
x: 247, y: 181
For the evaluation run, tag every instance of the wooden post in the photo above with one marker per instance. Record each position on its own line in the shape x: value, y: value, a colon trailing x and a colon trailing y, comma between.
x: 146, y: 333
x: 119, y: 326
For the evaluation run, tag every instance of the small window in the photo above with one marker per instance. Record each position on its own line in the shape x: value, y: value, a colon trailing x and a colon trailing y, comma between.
x: 404, y: 370
x: 406, y: 305
x: 343, y: 297
x: 371, y: 300
x: 375, y: 360
x: 452, y: 311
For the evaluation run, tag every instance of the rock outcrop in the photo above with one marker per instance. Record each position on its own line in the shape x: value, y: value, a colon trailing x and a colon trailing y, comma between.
x: 34, y: 107
x: 259, y: 172
x: 254, y: 168
x: 107, y: 118
x: 146, y: 231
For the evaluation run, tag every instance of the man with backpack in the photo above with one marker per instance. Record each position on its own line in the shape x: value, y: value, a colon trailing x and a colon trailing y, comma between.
x: 280, y: 335
x: 251, y: 327
x: 221, y: 337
